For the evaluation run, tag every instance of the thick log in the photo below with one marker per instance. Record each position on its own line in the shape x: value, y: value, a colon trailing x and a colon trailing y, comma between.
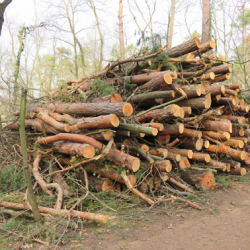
x: 206, y: 143
x: 161, y: 152
x: 158, y: 126
x: 107, y: 121
x: 187, y: 111
x: 86, y: 109
x: 234, y: 164
x: 138, y: 129
x: 216, y: 90
x: 184, y: 48
x: 114, y: 155
x: 204, y: 48
x: 218, y: 165
x: 163, y: 139
x: 59, y: 212
x: 200, y: 179
x: 234, y: 86
x: 184, y: 163
x: 238, y: 171
x: 156, y: 83
x: 191, y: 144
x: 221, y: 78
x: 200, y: 157
x: 192, y: 92
x: 223, y: 69
x: 238, y: 132
x: 71, y: 148
x: 223, y: 149
x: 235, y: 119
x: 153, y: 95
x: 174, y: 157
x: 162, y: 166
x: 174, y: 129
x: 191, y: 133
x: 226, y: 100
x: 107, y: 98
x: 63, y: 118
x: 207, y: 76
x: 217, y: 126
x: 183, y: 152
x: 217, y: 135
x: 244, y: 108
x: 162, y: 114
x: 229, y: 92
x: 196, y: 103
x: 234, y: 143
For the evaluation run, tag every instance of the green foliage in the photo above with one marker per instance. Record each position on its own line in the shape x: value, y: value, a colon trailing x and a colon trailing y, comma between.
x: 226, y: 181
x: 11, y: 178
x: 103, y: 87
x: 162, y: 58
x: 195, y: 34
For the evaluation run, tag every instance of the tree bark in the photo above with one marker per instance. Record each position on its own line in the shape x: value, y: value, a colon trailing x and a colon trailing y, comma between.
x: 171, y: 24
x: 121, y: 30
x: 204, y: 48
x: 200, y: 157
x: 205, y: 22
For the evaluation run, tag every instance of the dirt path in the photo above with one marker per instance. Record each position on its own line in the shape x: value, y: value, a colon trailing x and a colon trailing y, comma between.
x: 224, y: 225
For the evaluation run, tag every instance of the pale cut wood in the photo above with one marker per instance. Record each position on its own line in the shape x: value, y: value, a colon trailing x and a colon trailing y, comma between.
x: 183, y: 152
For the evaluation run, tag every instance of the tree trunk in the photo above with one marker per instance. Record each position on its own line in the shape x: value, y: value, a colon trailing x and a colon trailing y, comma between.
x: 121, y: 30
x: 183, y: 152
x: 153, y: 95
x: 217, y: 126
x: 205, y: 21
x: 174, y: 129
x: 171, y: 24
x: 204, y: 48
x: 196, y: 103
x: 200, y: 157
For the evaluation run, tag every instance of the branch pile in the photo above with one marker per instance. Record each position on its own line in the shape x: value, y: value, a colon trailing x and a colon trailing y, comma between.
x: 169, y: 120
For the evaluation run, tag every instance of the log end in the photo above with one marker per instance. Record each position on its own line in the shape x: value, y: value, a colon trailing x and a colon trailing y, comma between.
x: 155, y: 132
x: 136, y: 164
x: 207, y: 158
x: 208, y: 181
x: 168, y: 166
x: 132, y: 179
x: 197, y: 42
x: 212, y: 44
x: 207, y: 103
x: 108, y: 135
x: 167, y: 78
x: 243, y: 155
x: 145, y: 147
x: 190, y: 154
x: 115, y: 98
x: 127, y: 109
x: 88, y: 151
x: 114, y: 120
x: 199, y: 144
x: 181, y: 128
x: 206, y: 144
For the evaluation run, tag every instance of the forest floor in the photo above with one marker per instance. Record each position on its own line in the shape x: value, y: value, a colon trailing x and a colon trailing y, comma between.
x: 222, y: 225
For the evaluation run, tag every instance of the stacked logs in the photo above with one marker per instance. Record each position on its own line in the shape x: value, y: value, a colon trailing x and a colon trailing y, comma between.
x: 184, y: 122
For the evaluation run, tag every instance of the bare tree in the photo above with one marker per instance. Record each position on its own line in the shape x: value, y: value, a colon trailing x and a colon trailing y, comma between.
x: 171, y: 24
x: 121, y: 30
x: 3, y: 7
x: 205, y: 21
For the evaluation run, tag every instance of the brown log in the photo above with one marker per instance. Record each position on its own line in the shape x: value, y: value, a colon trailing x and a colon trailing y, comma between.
x: 234, y: 86
x: 217, y: 135
x: 191, y: 144
x: 174, y: 129
x: 238, y: 171
x: 86, y: 86
x: 107, y: 121
x: 217, y: 126
x: 153, y: 95
x: 244, y: 139
x: 161, y: 152
x: 162, y: 166
x: 63, y: 118
x: 234, y: 164
x: 235, y: 119
x: 218, y: 165
x: 229, y: 109
x: 200, y: 157
x: 161, y: 114
x: 184, y: 48
x: 223, y: 149
x: 59, y: 212
x: 246, y: 133
x: 102, y: 135
x: 187, y: 111
x: 244, y: 108
x: 86, y: 109
x: 206, y: 143
x: 184, y: 163
x: 172, y: 144
x: 226, y: 100
x: 183, y: 152
x: 114, y: 155
x: 122, y: 132
x: 192, y: 92
x: 158, y: 126
x: 204, y: 48
x: 156, y: 83
x: 191, y: 133
x: 221, y: 78
x: 238, y: 132
x: 174, y: 157
x: 177, y: 183
x: 196, y: 103
x: 234, y: 143
x: 216, y: 89
x: 229, y: 92
x: 200, y: 179
x: 70, y: 148
x: 207, y: 76
x: 223, y: 69
x: 107, y: 98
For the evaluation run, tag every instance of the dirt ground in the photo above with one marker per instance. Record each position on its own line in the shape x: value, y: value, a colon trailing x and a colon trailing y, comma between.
x: 224, y: 224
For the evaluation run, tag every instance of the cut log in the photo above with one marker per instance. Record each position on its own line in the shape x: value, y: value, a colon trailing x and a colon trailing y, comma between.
x: 196, y: 103
x: 162, y: 166
x: 183, y: 164
x: 87, y: 109
x: 158, y: 126
x: 207, y: 76
x: 63, y: 118
x: 184, y: 48
x: 161, y: 152
x: 223, y: 69
x: 156, y: 83
x: 223, y: 149
x: 183, y: 152
x: 200, y: 179
x: 218, y: 165
x: 174, y: 129
x: 59, y: 212
x: 163, y: 139
x: 174, y: 157
x: 192, y: 92
x: 217, y: 135
x: 234, y: 86
x: 216, y: 90
x: 122, y: 132
x: 200, y: 157
x: 107, y: 121
x: 71, y: 148
x: 206, y: 143
x: 187, y: 111
x: 191, y: 144
x: 234, y: 164
x: 217, y: 126
x: 235, y: 119
x: 204, y: 48
x: 238, y: 132
x: 107, y: 98
x: 153, y: 95
x: 226, y: 100
x: 234, y: 143
x: 138, y: 129
x: 238, y: 171
x: 229, y: 92
x: 221, y: 78
x: 161, y: 114
x: 180, y: 185
x: 191, y: 133
x: 244, y: 108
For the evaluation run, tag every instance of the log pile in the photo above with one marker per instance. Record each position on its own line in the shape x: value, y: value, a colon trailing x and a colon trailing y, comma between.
x: 177, y: 124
